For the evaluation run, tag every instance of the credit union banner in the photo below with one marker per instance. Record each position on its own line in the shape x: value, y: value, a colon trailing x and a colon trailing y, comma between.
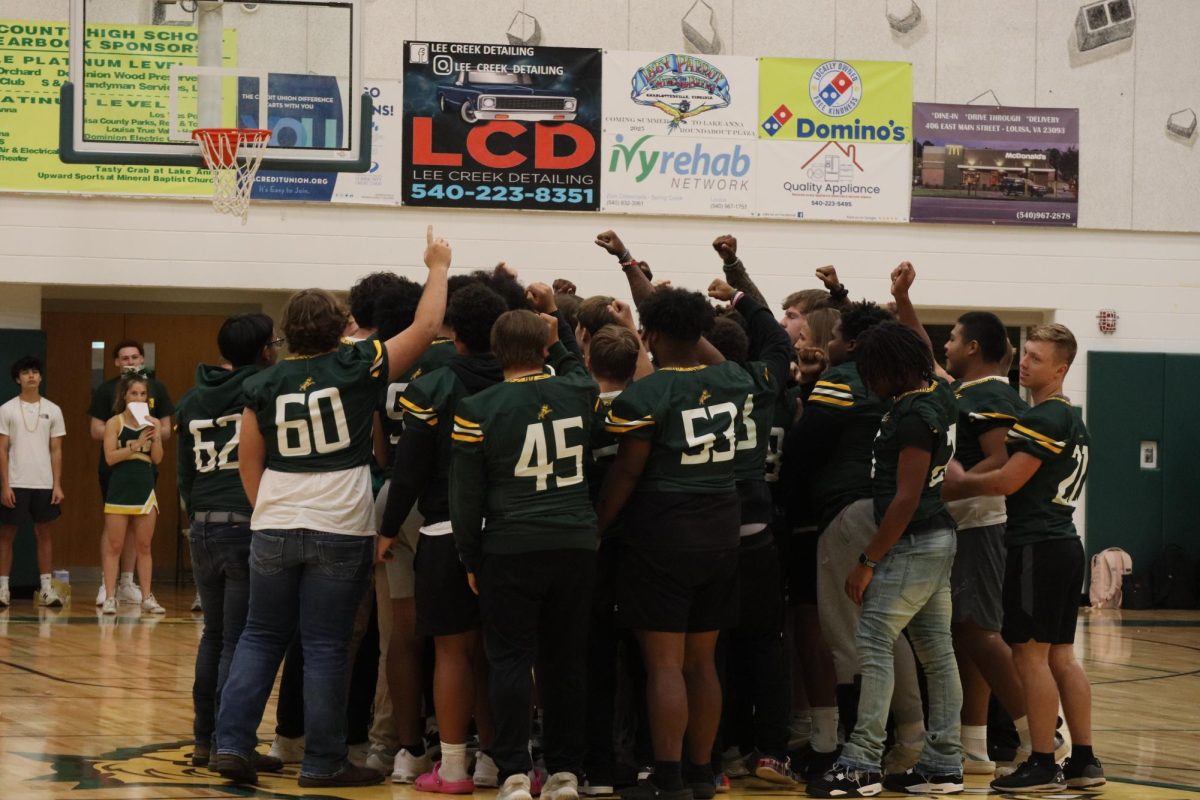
x: 501, y: 126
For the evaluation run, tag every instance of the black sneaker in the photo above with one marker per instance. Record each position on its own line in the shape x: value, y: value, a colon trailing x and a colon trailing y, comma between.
x: 348, y: 775
x: 700, y: 779
x: 1083, y: 774
x: 235, y: 768
x: 646, y: 790
x: 915, y: 781
x: 201, y: 754
x: 843, y: 781
x: 1032, y: 778
x: 818, y: 763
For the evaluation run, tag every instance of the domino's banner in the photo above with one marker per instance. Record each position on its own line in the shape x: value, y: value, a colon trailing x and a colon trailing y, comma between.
x: 835, y: 139
x: 679, y: 134
x: 501, y: 126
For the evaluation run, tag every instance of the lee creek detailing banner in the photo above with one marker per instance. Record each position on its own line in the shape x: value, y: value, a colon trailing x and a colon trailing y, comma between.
x: 501, y: 126
x: 981, y: 164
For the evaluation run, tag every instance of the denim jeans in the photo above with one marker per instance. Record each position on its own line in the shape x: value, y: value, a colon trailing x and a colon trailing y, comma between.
x: 910, y: 589
x: 221, y: 568
x: 310, y: 581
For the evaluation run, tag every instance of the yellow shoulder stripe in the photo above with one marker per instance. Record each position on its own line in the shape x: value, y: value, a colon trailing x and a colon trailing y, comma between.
x: 463, y: 437
x: 829, y: 385
x: 411, y: 406
x: 465, y: 423
x: 832, y: 401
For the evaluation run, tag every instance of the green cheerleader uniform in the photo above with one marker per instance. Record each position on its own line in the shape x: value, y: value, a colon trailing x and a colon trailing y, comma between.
x: 131, y: 488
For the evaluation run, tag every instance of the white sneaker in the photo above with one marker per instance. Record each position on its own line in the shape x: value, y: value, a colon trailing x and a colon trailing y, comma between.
x: 356, y: 754
x: 486, y: 774
x: 515, y: 788
x: 151, y: 606
x: 406, y: 768
x: 1004, y: 770
x: 561, y: 786
x: 196, y: 606
x: 733, y: 763
x: 100, y: 596
x: 5, y: 597
x: 288, y: 749
x: 109, y: 606
x: 128, y: 594
x: 49, y: 598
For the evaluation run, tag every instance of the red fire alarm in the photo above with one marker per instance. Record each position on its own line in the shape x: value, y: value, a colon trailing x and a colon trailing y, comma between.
x: 1107, y: 320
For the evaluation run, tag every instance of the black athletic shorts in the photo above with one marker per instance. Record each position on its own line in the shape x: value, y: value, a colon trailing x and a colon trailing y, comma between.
x: 1042, y: 585
x: 977, y: 577
x: 445, y: 603
x: 32, y: 505
x: 693, y: 591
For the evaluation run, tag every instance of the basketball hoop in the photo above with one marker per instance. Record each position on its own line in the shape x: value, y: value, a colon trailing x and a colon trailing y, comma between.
x: 233, y: 155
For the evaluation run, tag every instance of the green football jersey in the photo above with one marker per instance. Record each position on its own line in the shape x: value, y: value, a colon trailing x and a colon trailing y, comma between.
x: 517, y: 478
x: 983, y: 405
x: 316, y: 412
x: 846, y: 476
x: 209, y: 421
x: 923, y: 417
x: 604, y: 445
x: 438, y: 355
x: 1044, y: 508
x: 691, y: 416
x: 754, y: 424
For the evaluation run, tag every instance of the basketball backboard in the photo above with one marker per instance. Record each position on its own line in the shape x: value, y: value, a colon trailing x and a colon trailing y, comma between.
x: 145, y: 73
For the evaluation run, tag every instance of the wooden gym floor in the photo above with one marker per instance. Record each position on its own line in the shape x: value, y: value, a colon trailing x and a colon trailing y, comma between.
x: 96, y: 708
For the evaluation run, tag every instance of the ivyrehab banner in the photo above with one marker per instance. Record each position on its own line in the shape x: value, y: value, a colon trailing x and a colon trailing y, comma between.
x: 501, y: 126
x: 834, y: 139
x: 679, y: 133
x: 997, y: 164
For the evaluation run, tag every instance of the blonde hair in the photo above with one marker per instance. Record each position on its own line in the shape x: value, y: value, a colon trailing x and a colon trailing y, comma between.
x: 1058, y: 335
x: 820, y: 327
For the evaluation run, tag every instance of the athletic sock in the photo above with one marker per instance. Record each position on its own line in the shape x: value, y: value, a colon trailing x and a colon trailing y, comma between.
x: 698, y: 773
x: 126, y: 579
x: 667, y: 775
x: 454, y: 762
x: 3, y: 581
x: 1022, y: 726
x: 1082, y: 752
x: 1041, y: 759
x: 974, y: 741
x: 415, y: 750
x: 824, y: 729
x: 45, y: 580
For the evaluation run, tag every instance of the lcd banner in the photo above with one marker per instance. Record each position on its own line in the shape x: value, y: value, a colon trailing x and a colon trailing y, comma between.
x: 834, y: 181
x: 501, y: 126
x: 995, y: 164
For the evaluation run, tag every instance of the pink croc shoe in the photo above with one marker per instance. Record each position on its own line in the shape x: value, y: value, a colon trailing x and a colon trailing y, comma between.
x: 432, y: 782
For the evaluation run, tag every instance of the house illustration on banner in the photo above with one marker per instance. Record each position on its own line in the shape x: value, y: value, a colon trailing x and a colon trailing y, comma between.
x: 837, y: 165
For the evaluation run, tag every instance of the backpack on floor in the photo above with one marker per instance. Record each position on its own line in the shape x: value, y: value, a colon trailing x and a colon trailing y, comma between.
x: 1109, y: 567
x: 1135, y: 593
x: 1171, y: 577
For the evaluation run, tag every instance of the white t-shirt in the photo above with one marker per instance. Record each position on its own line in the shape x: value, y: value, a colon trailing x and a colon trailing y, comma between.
x: 330, y: 502
x: 29, y: 428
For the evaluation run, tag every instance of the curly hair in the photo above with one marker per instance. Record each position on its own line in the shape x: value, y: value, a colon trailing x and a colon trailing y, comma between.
x: 506, y: 286
x: 860, y: 316
x: 677, y: 314
x: 395, y: 307
x: 730, y: 339
x: 364, y: 292
x: 26, y: 362
x: 892, y: 354
x: 313, y: 321
x: 472, y: 312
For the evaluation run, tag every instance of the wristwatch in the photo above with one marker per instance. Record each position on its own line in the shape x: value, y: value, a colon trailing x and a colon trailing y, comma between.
x: 866, y: 562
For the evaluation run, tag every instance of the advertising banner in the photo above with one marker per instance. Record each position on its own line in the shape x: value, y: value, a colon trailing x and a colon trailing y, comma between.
x: 834, y: 181
x: 33, y: 66
x: 381, y: 184
x: 816, y: 100
x: 995, y: 164
x: 501, y: 126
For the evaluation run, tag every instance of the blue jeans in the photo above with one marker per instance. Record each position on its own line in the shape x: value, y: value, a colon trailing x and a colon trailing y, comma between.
x: 221, y: 567
x: 910, y: 589
x: 311, y: 581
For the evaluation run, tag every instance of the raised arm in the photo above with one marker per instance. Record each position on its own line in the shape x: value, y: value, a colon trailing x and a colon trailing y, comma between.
x: 408, y: 345
x: 735, y: 271
x: 640, y: 286
x: 624, y: 315
x: 903, y: 277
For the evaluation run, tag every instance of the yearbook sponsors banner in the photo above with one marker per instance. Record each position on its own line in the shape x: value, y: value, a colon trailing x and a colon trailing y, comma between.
x: 501, y: 126
x: 680, y: 94
x: 804, y: 99
x: 380, y: 185
x: 654, y: 174
x: 833, y: 181
x: 1006, y: 165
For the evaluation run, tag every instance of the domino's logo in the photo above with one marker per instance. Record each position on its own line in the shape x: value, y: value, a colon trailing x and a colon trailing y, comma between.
x: 835, y: 88
x: 776, y: 121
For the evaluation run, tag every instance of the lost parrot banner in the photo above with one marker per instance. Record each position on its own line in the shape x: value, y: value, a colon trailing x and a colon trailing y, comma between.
x: 995, y: 164
x: 679, y: 133
x: 501, y: 126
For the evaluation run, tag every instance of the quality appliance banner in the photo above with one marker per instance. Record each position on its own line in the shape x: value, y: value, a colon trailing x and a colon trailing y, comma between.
x: 834, y: 181
x: 995, y: 164
x: 501, y: 126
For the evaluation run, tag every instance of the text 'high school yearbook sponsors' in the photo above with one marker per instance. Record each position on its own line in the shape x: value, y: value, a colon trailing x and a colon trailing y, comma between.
x: 501, y: 126
x: 835, y: 139
x: 679, y: 133
x: 997, y: 164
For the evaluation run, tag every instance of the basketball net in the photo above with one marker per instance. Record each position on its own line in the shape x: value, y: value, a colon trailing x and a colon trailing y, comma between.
x: 233, y: 155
